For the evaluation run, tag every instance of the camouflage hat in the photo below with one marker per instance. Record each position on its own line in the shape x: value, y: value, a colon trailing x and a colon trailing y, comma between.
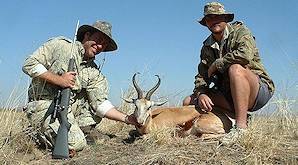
x: 101, y: 26
x: 215, y: 8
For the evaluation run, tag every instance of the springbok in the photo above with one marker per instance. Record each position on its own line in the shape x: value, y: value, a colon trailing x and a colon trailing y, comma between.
x: 187, y: 117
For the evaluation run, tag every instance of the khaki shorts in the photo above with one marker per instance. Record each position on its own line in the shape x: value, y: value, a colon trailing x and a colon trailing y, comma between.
x: 263, y: 96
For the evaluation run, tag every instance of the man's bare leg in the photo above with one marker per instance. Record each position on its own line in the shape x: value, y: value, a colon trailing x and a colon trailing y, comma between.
x: 244, y: 89
x: 189, y: 100
x: 221, y: 102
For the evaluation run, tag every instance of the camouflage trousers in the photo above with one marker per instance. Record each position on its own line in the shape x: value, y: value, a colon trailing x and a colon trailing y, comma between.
x: 79, y: 114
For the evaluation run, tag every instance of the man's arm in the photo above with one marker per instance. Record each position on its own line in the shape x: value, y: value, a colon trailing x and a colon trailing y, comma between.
x: 65, y: 80
x: 97, y: 91
x: 116, y: 115
x: 37, y: 64
x: 200, y: 83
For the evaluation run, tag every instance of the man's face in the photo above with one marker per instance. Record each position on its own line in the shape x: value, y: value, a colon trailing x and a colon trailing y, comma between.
x: 94, y: 44
x: 216, y: 23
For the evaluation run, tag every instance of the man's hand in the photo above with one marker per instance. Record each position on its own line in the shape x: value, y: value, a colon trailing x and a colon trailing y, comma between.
x: 205, y: 102
x: 212, y: 69
x: 131, y: 119
x: 67, y: 80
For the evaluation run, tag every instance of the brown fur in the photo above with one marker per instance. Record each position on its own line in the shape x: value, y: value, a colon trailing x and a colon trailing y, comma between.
x: 211, y: 124
x: 189, y: 119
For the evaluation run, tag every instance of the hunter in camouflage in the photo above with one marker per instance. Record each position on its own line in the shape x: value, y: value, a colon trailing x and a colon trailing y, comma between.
x: 89, y: 102
x: 230, y: 53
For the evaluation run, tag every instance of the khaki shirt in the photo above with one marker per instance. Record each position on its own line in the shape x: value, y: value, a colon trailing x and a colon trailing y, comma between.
x: 54, y: 55
x: 237, y: 47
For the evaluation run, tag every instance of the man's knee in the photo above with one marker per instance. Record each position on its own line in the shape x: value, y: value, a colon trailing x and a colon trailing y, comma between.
x: 190, y: 100
x: 236, y: 70
x: 78, y: 145
x: 76, y: 139
x: 186, y: 101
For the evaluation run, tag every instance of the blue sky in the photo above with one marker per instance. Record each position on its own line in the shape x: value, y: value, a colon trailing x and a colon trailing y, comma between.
x: 154, y: 37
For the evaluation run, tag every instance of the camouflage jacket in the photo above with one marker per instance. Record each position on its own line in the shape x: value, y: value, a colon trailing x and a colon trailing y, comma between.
x: 237, y: 47
x: 54, y: 55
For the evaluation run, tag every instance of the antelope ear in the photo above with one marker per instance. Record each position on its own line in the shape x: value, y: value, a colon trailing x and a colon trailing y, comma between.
x: 159, y: 103
x: 129, y: 101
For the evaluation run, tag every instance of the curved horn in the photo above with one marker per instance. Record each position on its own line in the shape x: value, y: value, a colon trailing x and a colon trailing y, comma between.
x: 138, y: 89
x: 151, y: 91
x: 160, y: 103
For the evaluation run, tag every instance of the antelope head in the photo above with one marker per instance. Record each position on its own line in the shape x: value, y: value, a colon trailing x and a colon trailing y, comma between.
x: 143, y: 105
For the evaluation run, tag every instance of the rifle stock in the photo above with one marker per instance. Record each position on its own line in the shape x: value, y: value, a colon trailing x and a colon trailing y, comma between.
x: 61, y: 150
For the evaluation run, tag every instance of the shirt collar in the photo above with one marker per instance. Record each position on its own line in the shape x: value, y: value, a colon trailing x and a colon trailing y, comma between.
x: 212, y: 43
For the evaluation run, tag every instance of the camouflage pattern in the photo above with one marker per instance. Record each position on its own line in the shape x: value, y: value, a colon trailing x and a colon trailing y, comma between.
x: 84, y: 114
x: 91, y: 86
x: 217, y: 9
x: 214, y: 8
x: 237, y: 47
x: 47, y: 132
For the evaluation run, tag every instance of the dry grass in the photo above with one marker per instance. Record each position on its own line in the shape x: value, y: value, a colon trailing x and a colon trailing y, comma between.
x: 270, y: 139
x: 15, y: 145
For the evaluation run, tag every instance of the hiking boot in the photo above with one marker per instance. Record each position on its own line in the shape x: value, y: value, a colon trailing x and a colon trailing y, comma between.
x: 233, y: 136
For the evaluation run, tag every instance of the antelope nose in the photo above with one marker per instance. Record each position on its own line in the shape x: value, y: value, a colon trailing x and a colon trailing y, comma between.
x: 141, y: 121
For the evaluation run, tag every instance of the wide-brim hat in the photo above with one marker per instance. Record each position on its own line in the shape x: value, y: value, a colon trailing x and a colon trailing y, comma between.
x: 101, y: 26
x: 216, y: 9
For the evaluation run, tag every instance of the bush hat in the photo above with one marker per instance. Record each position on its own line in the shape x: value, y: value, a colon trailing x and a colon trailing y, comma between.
x: 101, y: 26
x: 217, y: 9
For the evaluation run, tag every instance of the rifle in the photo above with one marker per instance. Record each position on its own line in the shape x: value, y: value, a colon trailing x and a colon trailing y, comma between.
x: 61, y: 150
x: 59, y: 109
